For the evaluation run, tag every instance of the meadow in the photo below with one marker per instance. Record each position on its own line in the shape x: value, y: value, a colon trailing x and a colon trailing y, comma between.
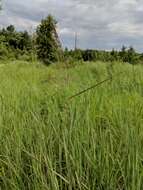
x: 90, y: 142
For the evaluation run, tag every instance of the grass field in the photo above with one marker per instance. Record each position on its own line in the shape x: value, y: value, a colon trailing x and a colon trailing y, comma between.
x: 91, y: 142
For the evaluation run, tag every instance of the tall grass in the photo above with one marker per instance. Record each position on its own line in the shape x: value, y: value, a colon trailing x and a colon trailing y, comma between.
x: 92, y: 142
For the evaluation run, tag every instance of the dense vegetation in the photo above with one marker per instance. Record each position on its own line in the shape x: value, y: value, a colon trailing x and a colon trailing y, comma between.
x: 14, y: 45
x: 49, y: 140
x: 93, y: 141
x: 45, y: 45
x: 125, y: 55
x: 47, y: 41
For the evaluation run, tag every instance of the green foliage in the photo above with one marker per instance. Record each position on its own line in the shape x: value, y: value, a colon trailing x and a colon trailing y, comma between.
x: 77, y: 55
x: 125, y: 55
x: 89, y: 55
x: 10, y: 29
x: 48, y: 45
x: 14, y: 42
x: 91, y: 142
x: 25, y: 42
x: 6, y: 53
x: 3, y: 51
x: 45, y: 45
x: 132, y: 56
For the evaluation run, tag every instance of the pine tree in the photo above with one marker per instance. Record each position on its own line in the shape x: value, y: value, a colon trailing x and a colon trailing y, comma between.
x: 47, y: 41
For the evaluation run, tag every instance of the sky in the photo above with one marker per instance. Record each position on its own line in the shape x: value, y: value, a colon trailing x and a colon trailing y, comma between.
x: 99, y: 24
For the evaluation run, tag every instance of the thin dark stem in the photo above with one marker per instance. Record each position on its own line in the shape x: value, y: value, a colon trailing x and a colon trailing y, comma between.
x: 94, y: 86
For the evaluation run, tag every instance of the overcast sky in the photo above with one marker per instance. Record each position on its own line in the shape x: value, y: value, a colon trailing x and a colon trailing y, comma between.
x: 100, y: 24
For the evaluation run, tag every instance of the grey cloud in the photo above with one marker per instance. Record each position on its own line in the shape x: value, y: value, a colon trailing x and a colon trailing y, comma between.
x: 100, y: 24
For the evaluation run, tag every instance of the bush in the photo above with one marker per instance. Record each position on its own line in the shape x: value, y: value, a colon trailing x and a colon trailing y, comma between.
x: 3, y: 51
x: 6, y: 53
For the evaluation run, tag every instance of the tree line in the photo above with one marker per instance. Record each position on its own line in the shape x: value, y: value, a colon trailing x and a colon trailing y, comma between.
x: 14, y: 44
x: 45, y: 46
x: 126, y: 54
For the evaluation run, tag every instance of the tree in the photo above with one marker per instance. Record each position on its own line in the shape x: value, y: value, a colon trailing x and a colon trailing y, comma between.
x: 25, y: 41
x: 89, y: 55
x: 132, y: 56
x: 11, y: 29
x: 14, y: 42
x: 12, y: 37
x: 47, y: 41
x: 114, y: 55
x: 123, y: 54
